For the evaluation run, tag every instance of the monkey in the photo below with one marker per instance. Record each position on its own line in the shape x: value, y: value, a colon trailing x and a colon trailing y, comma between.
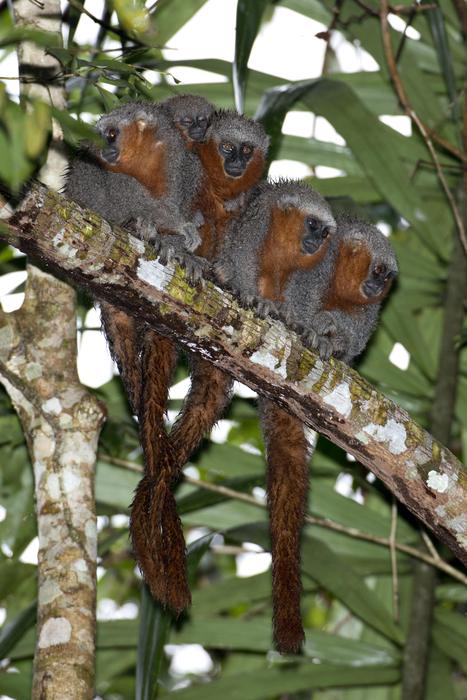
x: 286, y: 228
x: 345, y: 312
x: 233, y: 156
x: 145, y: 178
x: 192, y: 116
x: 335, y: 302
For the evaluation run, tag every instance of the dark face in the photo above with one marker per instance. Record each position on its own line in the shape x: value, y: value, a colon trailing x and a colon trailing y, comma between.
x: 315, y: 233
x: 378, y: 280
x: 195, y: 126
x: 236, y: 157
x: 110, y: 151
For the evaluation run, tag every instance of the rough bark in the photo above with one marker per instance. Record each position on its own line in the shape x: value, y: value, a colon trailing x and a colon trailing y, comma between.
x: 327, y: 396
x: 61, y: 421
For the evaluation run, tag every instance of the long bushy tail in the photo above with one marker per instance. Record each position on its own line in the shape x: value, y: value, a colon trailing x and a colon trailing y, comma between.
x: 155, y: 527
x: 210, y: 392
x: 287, y: 485
x: 122, y: 336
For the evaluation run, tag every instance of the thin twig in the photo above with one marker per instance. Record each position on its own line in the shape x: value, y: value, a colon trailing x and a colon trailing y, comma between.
x: 393, y: 543
x: 405, y: 102
x: 430, y: 546
x: 310, y: 519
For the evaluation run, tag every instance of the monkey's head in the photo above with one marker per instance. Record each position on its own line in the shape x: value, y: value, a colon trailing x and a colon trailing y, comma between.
x: 300, y: 230
x: 137, y: 137
x: 191, y: 114
x: 365, y: 267
x: 235, y: 152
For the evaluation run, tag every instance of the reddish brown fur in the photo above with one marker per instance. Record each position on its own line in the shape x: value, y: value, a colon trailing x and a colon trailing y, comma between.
x: 155, y: 527
x: 208, y: 396
x: 351, y: 270
x: 281, y: 253
x: 287, y: 498
x: 142, y: 156
x: 286, y: 445
x: 121, y: 334
x: 224, y: 185
x: 218, y: 187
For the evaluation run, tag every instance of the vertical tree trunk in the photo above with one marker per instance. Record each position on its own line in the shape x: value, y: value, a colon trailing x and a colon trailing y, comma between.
x: 61, y: 421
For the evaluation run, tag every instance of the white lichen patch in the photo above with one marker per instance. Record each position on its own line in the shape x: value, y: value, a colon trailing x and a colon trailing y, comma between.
x: 52, y: 406
x: 136, y: 244
x: 228, y: 330
x: 64, y: 249
x: 437, y: 482
x: 43, y: 446
x: 340, y: 400
x: 48, y: 592
x: 90, y: 530
x: 152, y: 272
x: 55, y: 631
x: 53, y: 486
x: 268, y: 358
x: 65, y: 420
x: 77, y: 449
x: 33, y: 371
x: 71, y: 480
x: 393, y: 433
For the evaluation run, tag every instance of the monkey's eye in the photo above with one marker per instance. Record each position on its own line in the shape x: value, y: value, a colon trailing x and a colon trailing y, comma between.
x: 186, y: 121
x: 316, y: 226
x: 202, y: 120
x: 111, y: 134
x: 227, y: 147
x: 380, y: 270
x: 247, y: 150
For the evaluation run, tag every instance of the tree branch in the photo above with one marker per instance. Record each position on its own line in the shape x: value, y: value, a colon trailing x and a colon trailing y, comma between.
x: 327, y: 396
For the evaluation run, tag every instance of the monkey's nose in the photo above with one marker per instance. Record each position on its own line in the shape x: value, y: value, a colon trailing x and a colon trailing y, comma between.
x: 110, y: 154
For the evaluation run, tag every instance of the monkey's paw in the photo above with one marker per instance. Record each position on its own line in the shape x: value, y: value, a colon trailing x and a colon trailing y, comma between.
x: 195, y: 267
x: 191, y: 236
x: 323, y: 323
x: 265, y: 308
x: 320, y: 343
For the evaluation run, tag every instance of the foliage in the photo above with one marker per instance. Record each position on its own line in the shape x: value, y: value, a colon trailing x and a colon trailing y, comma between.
x: 354, y: 644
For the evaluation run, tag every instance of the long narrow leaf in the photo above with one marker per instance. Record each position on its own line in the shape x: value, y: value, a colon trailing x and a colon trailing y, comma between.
x: 249, y: 15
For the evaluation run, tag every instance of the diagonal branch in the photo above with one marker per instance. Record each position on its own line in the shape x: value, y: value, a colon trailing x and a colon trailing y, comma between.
x: 327, y: 396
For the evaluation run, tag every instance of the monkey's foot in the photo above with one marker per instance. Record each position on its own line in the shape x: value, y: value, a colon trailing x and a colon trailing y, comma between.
x: 320, y: 343
x: 195, y: 267
x: 191, y: 236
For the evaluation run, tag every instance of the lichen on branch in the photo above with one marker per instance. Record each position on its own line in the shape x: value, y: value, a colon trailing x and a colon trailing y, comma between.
x: 264, y: 354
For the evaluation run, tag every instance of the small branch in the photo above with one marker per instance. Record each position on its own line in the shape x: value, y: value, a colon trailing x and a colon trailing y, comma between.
x: 353, y: 532
x: 392, y: 546
x: 405, y: 102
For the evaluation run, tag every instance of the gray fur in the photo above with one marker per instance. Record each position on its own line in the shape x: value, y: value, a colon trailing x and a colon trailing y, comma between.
x: 227, y: 125
x: 121, y: 198
x: 192, y: 106
x: 238, y: 262
x: 338, y: 332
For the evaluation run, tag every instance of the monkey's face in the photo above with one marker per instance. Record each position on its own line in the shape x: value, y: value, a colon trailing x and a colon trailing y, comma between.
x: 193, y: 126
x: 236, y: 156
x: 110, y: 151
x: 378, y: 281
x: 315, y: 233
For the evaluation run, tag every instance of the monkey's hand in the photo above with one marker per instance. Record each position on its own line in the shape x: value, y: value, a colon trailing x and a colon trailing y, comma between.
x: 323, y: 335
x: 262, y: 307
x: 191, y: 236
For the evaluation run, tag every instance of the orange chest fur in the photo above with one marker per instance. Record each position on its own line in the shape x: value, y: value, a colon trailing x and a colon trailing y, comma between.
x: 281, y: 253
x: 144, y: 157
x: 351, y: 270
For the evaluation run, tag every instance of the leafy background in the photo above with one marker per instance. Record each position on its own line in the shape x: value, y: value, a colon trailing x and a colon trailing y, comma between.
x: 354, y: 641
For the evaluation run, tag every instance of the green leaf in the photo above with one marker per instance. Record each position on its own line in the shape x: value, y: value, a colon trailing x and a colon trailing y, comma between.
x: 450, y: 634
x: 13, y: 631
x: 325, y: 567
x: 287, y: 678
x: 170, y: 15
x: 249, y: 15
x: 153, y: 629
